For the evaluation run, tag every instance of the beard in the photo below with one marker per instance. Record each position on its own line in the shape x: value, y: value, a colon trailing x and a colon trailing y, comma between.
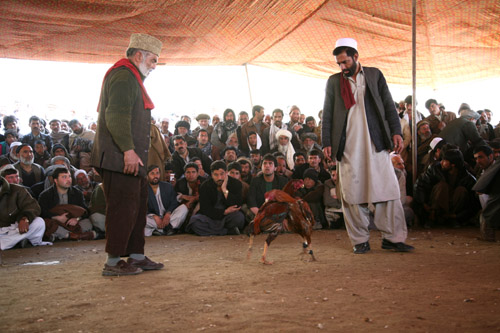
x: 143, y: 68
x: 348, y: 72
x: 154, y: 181
x: 424, y: 136
x: 13, y: 156
x: 26, y: 160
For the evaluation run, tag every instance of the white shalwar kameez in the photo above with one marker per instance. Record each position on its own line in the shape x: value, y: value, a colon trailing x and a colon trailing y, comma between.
x: 367, y: 178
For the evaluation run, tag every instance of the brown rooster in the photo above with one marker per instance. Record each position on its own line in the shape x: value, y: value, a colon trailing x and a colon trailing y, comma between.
x: 283, y: 213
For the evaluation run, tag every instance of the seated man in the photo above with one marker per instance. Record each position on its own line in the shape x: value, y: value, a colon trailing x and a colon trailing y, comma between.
x: 30, y: 172
x: 281, y: 168
x: 484, y: 161
x: 315, y: 161
x: 19, y: 217
x: 80, y: 144
x: 64, y: 226
x: 234, y: 170
x: 11, y: 175
x: 97, y: 210
x: 266, y: 181
x: 203, y: 120
x: 285, y: 147
x: 299, y: 158
x: 188, y: 188
x: 201, y: 172
x: 254, y: 142
x: 309, y: 142
x: 36, y: 134
x: 57, y: 135
x: 42, y: 156
x: 10, y: 136
x: 165, y: 216
x: 312, y: 193
x: 332, y: 201
x: 206, y: 146
x: 444, y: 191
x: 183, y: 155
x: 59, y: 150
x: 489, y: 185
x: 230, y: 154
x: 85, y: 185
x: 182, y: 128
x: 220, y: 204
x: 246, y: 169
x: 256, y: 158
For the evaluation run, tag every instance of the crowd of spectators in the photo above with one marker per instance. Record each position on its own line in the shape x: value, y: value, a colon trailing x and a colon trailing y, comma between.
x: 50, y: 192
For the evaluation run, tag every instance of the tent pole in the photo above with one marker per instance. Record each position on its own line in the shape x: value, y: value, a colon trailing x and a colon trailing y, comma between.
x: 249, y: 88
x: 414, y: 87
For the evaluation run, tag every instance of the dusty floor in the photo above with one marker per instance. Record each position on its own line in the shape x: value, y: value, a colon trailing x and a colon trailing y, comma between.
x: 451, y: 283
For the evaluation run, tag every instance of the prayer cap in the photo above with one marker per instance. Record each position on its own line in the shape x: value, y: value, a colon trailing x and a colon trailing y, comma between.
x: 349, y: 42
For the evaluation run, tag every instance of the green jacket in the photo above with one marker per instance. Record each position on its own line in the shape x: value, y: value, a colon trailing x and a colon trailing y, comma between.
x: 123, y: 123
x: 15, y: 203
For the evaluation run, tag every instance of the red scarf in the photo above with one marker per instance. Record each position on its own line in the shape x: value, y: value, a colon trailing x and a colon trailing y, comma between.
x: 148, y: 103
x: 346, y: 92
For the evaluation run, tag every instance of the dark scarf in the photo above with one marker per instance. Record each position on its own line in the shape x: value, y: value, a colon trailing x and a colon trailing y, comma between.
x: 207, y: 150
x: 226, y: 128
x: 148, y: 103
x: 346, y: 92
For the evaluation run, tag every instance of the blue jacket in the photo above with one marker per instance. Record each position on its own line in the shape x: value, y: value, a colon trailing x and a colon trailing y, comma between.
x: 168, y: 199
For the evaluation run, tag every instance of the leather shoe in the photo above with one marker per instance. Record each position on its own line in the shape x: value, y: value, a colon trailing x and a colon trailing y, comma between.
x: 89, y: 235
x: 145, y: 264
x: 397, y: 247
x: 121, y: 268
x: 361, y: 248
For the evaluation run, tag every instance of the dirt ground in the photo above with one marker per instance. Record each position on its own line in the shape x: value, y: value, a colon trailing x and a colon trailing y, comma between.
x: 451, y: 283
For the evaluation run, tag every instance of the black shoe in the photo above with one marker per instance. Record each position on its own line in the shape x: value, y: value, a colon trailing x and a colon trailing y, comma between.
x: 361, y: 248
x: 397, y: 247
x: 25, y: 243
x: 171, y: 232
x: 234, y: 231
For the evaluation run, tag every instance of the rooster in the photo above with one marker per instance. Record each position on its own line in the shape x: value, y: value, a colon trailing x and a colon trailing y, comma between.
x: 283, y: 213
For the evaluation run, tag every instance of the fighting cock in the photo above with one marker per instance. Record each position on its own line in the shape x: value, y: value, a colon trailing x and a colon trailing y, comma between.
x: 283, y: 213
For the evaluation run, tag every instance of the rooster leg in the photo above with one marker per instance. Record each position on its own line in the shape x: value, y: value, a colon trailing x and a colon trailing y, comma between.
x: 305, y: 246
x: 250, y: 243
x: 269, y: 239
x: 311, y: 253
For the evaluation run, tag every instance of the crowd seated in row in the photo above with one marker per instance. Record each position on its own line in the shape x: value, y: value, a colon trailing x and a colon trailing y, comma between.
x: 212, y: 180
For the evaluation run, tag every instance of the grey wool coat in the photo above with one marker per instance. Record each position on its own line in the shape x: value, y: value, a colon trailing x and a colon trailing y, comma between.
x: 381, y: 114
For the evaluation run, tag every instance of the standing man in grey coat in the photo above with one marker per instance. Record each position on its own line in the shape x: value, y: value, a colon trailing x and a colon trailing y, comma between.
x: 360, y: 127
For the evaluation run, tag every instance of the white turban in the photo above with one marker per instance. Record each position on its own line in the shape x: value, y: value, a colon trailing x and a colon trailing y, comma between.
x: 287, y: 150
x: 283, y: 132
